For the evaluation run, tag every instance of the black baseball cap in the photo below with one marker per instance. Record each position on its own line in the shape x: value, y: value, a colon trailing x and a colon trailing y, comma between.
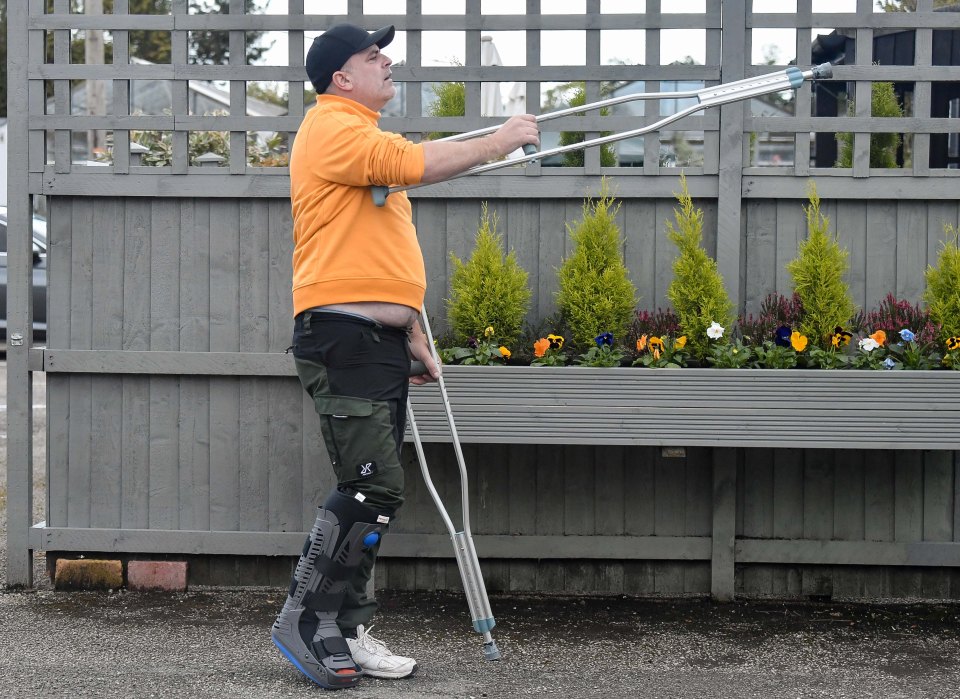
x: 334, y: 47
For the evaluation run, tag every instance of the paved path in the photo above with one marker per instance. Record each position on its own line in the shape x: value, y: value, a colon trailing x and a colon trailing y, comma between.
x: 215, y: 643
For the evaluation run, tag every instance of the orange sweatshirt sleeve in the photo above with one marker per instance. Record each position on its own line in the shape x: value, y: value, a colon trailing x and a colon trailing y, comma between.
x: 354, y: 152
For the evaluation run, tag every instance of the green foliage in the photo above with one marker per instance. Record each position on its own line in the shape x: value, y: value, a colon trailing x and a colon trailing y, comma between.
x: 770, y: 355
x: 271, y: 152
x: 600, y: 356
x: 909, y: 5
x: 817, y: 273
x: 479, y: 351
x: 730, y: 355
x: 608, y: 156
x: 205, y: 47
x: 696, y: 291
x: 490, y: 289
x: 883, y: 146
x: 451, y: 102
x: 596, y: 294
x: 942, y: 294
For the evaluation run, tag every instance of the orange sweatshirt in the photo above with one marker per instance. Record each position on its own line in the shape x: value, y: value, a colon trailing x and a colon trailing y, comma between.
x: 346, y: 249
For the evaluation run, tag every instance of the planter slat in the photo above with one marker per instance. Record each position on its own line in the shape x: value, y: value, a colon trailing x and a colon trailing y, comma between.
x: 696, y: 407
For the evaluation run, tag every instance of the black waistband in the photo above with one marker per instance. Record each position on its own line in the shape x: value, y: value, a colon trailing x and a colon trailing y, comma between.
x: 324, y: 315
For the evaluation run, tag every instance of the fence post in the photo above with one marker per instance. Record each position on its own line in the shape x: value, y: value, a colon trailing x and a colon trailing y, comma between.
x: 722, y: 559
x: 729, y: 197
x: 20, y: 312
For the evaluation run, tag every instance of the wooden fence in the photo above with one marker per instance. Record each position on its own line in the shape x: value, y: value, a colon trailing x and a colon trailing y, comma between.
x: 175, y: 425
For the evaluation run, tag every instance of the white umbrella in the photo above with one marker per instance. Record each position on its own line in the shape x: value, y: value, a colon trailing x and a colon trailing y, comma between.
x: 491, y: 104
x: 516, y: 99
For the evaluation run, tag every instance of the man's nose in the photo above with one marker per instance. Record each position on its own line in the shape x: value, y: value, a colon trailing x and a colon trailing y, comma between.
x: 387, y: 61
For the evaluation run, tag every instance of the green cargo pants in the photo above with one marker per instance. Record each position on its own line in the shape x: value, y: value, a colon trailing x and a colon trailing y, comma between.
x: 357, y: 373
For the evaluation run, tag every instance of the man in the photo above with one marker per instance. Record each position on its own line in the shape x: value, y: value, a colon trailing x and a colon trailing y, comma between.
x: 358, y: 285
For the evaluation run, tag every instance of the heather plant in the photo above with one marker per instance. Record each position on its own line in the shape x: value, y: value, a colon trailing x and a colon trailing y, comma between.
x: 776, y: 311
x: 659, y: 324
x: 488, y: 290
x: 817, y: 273
x: 894, y: 315
x: 696, y: 291
x: 942, y: 295
x: 596, y: 294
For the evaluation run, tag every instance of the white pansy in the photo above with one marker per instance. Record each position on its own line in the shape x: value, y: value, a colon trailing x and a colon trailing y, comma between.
x: 715, y: 331
x: 868, y: 344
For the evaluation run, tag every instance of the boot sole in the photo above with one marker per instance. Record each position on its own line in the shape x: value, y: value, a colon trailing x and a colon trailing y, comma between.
x: 346, y: 685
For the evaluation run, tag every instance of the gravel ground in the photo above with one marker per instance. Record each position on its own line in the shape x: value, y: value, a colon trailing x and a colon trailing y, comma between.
x: 216, y: 643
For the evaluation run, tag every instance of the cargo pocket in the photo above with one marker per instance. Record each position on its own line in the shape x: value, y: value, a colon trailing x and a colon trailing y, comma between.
x: 356, y: 432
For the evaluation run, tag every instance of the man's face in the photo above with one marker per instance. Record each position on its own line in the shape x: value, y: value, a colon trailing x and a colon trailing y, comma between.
x: 369, y: 74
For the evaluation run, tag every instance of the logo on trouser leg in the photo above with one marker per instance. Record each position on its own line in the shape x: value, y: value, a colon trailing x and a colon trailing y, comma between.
x: 366, y: 470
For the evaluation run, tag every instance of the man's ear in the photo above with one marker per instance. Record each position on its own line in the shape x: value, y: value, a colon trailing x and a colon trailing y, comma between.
x: 341, y: 80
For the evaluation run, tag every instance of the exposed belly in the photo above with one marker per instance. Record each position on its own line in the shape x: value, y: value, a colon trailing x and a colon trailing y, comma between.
x: 393, y: 314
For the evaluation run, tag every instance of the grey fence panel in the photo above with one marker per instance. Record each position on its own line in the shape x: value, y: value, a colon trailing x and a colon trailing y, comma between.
x: 221, y: 453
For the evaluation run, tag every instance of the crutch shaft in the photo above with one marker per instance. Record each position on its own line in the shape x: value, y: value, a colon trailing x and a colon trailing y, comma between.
x: 464, y: 551
x: 789, y: 79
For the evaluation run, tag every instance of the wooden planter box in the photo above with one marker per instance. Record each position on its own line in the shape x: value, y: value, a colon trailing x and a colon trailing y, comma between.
x: 796, y: 408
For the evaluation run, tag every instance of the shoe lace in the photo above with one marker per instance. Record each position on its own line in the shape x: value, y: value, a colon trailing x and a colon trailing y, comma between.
x: 374, y: 645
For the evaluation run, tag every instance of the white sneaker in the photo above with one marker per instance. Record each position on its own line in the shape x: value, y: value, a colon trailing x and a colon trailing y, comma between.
x: 375, y: 658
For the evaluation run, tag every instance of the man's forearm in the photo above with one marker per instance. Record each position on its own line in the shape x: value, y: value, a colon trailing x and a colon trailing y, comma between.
x: 444, y: 159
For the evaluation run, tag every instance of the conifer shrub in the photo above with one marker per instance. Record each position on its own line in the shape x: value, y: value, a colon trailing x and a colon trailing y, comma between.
x: 451, y: 101
x: 818, y: 272
x: 696, y: 291
x: 575, y: 158
x: 595, y: 292
x: 883, y: 146
x: 942, y: 294
x: 489, y: 289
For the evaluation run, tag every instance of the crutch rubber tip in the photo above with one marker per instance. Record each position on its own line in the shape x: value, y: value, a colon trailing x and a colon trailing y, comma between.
x: 823, y: 71
x: 490, y: 651
x: 380, y: 194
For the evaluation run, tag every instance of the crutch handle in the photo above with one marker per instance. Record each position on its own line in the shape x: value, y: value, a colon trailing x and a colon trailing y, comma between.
x: 529, y: 149
x: 417, y: 368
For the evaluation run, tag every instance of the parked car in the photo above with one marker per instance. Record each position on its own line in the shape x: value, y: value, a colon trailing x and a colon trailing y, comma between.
x: 39, y: 277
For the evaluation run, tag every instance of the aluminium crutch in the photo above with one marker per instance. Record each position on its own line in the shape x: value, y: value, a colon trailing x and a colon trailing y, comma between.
x: 789, y: 79
x: 466, y: 554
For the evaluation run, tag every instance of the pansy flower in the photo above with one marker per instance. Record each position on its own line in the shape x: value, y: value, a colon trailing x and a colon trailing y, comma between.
x: 798, y: 341
x: 868, y: 344
x: 540, y: 347
x: 641, y: 343
x: 953, y: 343
x: 841, y: 338
x: 556, y: 341
x: 504, y: 352
x: 781, y: 337
x: 472, y: 342
x: 715, y: 331
x: 604, y: 339
x: 488, y: 332
x: 907, y: 335
x: 656, y: 344
x: 889, y: 363
x: 681, y: 342
x: 880, y: 337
